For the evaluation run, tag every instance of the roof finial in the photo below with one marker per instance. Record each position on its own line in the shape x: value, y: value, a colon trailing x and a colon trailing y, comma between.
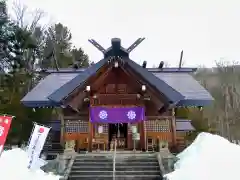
x: 97, y: 45
x: 135, y: 44
x: 161, y: 64
x: 180, y: 62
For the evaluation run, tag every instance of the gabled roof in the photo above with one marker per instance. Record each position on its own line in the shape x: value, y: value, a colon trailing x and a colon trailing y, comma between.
x: 184, y: 125
x: 67, y: 88
x: 62, y: 82
x: 168, y: 69
x: 176, y: 85
x: 39, y: 95
x: 162, y: 87
x: 172, y: 70
x: 194, y: 94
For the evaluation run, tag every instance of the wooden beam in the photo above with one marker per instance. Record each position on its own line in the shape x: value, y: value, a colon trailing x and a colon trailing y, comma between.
x: 158, y: 117
x: 156, y: 101
x: 140, y: 81
x: 173, y: 124
x: 62, y: 129
x: 73, y: 118
x: 142, y: 136
x: 77, y: 101
x: 89, y: 81
x: 90, y: 136
x: 154, y: 96
x: 98, y: 82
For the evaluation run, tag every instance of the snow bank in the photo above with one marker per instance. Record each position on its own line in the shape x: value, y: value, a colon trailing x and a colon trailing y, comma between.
x: 13, y: 166
x: 208, y: 157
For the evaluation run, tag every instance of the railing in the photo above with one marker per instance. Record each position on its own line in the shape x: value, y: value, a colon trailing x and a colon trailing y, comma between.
x: 114, y: 159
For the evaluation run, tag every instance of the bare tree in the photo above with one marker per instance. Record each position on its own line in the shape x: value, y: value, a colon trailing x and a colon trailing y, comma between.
x: 26, y: 19
x: 224, y: 113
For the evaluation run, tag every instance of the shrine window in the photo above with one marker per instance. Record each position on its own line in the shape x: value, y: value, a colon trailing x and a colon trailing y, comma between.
x: 74, y: 126
x: 157, y: 126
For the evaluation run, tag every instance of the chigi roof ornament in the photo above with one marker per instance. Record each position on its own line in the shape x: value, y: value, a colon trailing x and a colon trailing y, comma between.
x: 116, y: 50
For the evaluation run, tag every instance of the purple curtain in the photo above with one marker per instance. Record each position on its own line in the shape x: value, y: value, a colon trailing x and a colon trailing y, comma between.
x: 117, y: 115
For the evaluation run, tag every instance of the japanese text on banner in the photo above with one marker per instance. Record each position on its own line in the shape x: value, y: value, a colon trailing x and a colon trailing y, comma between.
x: 36, y: 143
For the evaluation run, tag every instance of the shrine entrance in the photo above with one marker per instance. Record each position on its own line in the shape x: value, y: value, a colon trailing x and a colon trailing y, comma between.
x: 117, y: 119
x: 118, y: 132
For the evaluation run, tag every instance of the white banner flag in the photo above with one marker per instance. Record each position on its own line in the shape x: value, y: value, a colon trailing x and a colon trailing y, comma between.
x: 36, y: 143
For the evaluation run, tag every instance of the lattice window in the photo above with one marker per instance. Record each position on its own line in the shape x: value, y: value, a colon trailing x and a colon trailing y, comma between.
x: 105, y: 128
x: 76, y: 126
x: 157, y: 126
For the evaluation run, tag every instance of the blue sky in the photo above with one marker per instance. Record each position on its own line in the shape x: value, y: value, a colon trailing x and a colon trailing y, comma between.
x: 207, y: 30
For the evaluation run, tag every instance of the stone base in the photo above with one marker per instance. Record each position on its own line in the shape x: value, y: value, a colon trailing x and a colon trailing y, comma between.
x: 69, y: 152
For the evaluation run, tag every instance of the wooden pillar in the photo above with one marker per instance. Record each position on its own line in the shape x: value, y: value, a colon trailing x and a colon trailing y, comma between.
x: 129, y: 137
x: 173, y: 124
x: 143, y: 136
x: 90, y: 136
x: 60, y: 116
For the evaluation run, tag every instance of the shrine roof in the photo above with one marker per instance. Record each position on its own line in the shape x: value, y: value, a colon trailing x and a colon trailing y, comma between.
x: 157, y: 70
x: 38, y: 96
x: 194, y: 93
x: 162, y: 87
x: 184, y: 125
x: 177, y: 84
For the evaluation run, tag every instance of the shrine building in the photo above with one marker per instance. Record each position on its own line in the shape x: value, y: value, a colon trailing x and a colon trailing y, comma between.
x: 116, y: 98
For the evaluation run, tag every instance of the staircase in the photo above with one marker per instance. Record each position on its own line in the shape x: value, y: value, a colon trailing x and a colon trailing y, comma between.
x: 141, y: 166
x: 52, y: 149
x: 92, y: 167
x: 129, y: 166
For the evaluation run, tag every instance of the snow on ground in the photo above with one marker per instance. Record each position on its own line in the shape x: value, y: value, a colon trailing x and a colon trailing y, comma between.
x: 208, y: 157
x: 13, y: 166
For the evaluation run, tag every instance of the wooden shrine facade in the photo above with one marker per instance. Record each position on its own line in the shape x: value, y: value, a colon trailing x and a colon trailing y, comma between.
x: 118, y: 82
x: 115, y: 87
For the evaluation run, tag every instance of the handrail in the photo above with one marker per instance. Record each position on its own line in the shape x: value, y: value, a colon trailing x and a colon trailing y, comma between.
x: 114, y: 158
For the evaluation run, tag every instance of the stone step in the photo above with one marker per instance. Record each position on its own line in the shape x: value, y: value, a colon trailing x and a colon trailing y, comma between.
x: 137, y: 168
x: 92, y: 167
x: 93, y: 160
x: 124, y: 163
x: 94, y: 173
x: 139, y: 177
x: 136, y: 157
x: 128, y: 167
x: 90, y: 177
x: 138, y: 173
x: 94, y: 155
x: 136, y: 160
x: 82, y: 163
x: 117, y: 177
